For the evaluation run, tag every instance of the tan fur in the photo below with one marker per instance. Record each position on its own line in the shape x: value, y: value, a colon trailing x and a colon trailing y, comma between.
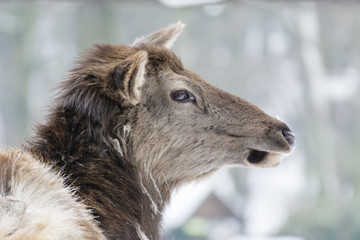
x: 36, y: 205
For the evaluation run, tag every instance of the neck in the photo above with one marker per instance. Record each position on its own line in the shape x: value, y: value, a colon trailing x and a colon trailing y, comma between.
x: 126, y: 201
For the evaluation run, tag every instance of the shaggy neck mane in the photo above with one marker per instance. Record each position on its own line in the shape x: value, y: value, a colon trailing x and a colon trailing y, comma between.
x: 86, y: 138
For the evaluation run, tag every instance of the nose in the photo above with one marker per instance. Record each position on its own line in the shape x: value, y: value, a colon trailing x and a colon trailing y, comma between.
x: 289, y: 136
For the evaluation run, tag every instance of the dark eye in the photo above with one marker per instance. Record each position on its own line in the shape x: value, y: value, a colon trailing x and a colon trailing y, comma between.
x: 182, y: 96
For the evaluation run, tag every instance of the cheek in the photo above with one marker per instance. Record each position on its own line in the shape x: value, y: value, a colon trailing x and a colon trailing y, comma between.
x: 155, y: 101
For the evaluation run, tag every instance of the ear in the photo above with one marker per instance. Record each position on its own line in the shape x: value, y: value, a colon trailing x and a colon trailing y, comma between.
x: 163, y: 38
x: 128, y: 77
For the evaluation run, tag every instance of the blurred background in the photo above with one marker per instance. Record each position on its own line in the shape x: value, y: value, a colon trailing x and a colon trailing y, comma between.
x: 296, y: 60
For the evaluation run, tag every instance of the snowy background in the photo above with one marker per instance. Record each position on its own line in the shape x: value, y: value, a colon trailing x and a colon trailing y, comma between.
x: 296, y: 60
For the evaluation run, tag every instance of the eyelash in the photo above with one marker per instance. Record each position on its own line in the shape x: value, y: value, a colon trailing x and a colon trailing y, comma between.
x: 182, y: 96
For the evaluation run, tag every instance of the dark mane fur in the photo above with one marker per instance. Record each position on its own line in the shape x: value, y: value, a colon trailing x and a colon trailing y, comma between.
x: 77, y: 139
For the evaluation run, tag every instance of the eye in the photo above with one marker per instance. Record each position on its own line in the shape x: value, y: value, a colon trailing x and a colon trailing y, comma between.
x: 182, y: 96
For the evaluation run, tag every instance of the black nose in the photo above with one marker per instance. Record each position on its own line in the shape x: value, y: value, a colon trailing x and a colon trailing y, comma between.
x: 290, y: 137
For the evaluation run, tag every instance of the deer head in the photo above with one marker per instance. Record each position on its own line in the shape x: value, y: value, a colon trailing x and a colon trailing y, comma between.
x: 186, y: 128
x: 179, y: 127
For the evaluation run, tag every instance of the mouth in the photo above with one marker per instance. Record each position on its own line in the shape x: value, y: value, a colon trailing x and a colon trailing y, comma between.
x: 261, y: 158
x: 256, y: 156
x: 270, y: 153
x: 264, y: 159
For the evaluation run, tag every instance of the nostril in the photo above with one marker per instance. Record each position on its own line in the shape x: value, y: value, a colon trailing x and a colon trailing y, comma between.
x: 290, y: 137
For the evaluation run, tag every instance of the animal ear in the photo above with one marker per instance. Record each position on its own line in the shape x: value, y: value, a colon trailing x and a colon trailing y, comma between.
x: 128, y: 77
x: 163, y: 38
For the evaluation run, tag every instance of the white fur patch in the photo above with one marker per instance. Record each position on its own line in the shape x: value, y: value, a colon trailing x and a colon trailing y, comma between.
x: 116, y: 145
x: 119, y: 143
x: 35, y: 204
x: 146, y: 192
x: 156, y: 187
x: 140, y: 233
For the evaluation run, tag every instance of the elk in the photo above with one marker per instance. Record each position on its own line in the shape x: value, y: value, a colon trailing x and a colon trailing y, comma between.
x: 129, y: 125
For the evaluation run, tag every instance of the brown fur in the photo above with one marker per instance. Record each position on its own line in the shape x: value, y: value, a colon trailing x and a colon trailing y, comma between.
x: 126, y: 144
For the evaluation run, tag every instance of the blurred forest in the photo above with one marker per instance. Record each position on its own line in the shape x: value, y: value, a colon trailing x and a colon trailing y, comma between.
x: 296, y: 60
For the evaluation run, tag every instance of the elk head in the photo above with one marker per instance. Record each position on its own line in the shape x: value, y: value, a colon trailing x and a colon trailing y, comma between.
x: 183, y: 128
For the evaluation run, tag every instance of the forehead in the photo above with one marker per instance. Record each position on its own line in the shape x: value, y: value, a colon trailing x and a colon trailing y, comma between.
x: 160, y: 58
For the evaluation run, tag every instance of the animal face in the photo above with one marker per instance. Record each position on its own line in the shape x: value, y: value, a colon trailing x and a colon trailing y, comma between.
x: 201, y: 128
x: 190, y: 128
x: 182, y: 128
